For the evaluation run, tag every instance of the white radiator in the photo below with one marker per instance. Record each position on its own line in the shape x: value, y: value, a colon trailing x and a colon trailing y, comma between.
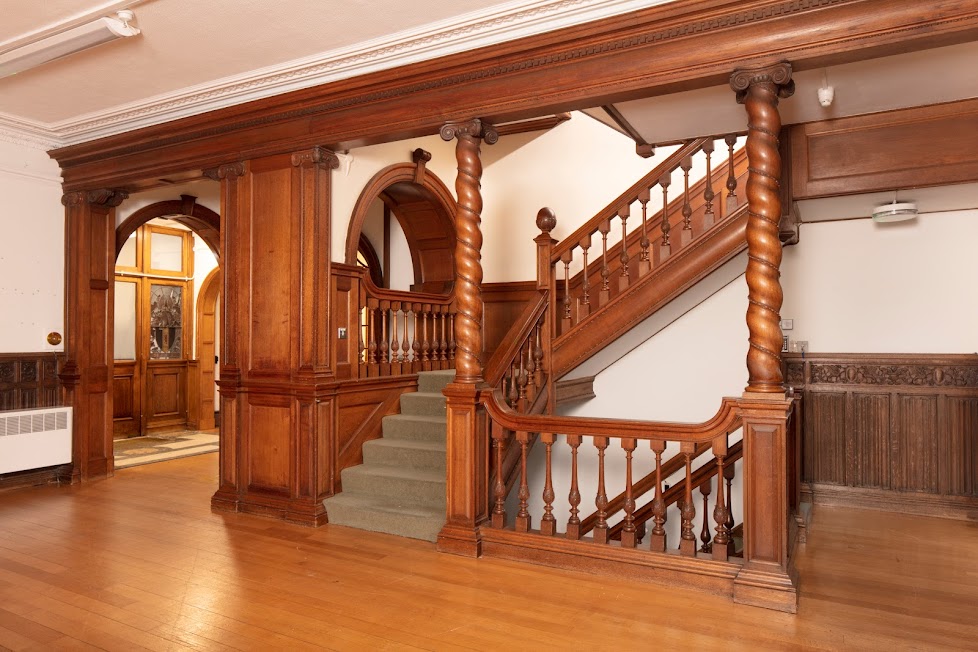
x: 33, y: 439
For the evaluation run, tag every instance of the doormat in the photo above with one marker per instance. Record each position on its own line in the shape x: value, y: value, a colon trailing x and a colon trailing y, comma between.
x: 160, y: 448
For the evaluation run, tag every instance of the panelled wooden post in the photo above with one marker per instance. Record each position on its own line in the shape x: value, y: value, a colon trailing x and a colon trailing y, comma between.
x: 277, y: 454
x: 467, y: 443
x: 87, y: 371
x: 765, y: 579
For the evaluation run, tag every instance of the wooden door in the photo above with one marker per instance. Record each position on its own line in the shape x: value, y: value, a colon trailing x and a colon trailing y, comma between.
x: 153, y: 352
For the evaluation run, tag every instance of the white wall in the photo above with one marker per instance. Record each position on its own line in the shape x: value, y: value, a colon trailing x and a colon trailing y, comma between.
x: 207, y: 192
x: 32, y: 256
x: 401, y: 275
x: 909, y: 287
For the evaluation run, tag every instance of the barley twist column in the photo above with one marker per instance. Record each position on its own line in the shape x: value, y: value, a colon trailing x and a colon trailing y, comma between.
x: 759, y: 90
x: 468, y: 256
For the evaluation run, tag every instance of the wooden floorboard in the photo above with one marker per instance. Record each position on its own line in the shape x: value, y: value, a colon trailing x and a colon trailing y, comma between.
x: 139, y: 562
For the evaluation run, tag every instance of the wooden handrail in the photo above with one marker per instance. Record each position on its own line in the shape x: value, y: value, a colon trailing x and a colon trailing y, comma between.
x: 722, y: 423
x: 406, y: 296
x: 630, y: 195
x: 497, y: 365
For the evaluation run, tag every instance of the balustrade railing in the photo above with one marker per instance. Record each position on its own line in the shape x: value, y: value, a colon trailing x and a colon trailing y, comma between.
x: 663, y: 231
x: 404, y: 332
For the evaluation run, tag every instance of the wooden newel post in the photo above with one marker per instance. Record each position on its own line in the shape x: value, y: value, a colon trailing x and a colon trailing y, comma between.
x: 765, y: 579
x: 547, y: 283
x: 467, y: 437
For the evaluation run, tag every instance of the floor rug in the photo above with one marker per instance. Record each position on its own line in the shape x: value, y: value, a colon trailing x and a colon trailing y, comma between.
x: 159, y: 448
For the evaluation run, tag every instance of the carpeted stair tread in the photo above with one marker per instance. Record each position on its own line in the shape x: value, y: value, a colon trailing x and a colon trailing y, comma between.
x: 398, y: 517
x: 415, y: 426
x: 435, y: 381
x: 419, y: 454
x: 423, y: 403
x: 424, y: 486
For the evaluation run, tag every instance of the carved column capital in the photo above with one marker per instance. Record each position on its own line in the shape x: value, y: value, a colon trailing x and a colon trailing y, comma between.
x: 777, y: 75
x: 229, y: 171
x: 109, y: 197
x: 474, y: 128
x: 320, y: 156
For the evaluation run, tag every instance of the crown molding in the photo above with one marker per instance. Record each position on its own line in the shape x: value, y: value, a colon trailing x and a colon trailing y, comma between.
x: 497, y: 24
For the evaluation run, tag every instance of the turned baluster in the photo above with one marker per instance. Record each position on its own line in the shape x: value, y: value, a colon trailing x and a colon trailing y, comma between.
x: 443, y: 345
x: 499, y: 442
x: 538, y: 355
x: 705, y: 535
x: 628, y: 531
x: 451, y: 337
x: 665, y: 249
x: 548, y: 524
x: 605, y: 293
x: 384, y: 345
x: 566, y: 322
x: 531, y: 378
x: 522, y: 379
x: 601, y: 499
x: 731, y: 141
x: 623, y: 278
x: 416, y: 343
x: 404, y: 353
x: 657, y: 538
x: 425, y: 343
x: 372, y: 308
x: 395, y: 338
x: 361, y: 344
x: 687, y: 511
x: 720, y: 515
x: 584, y: 303
x: 686, y: 235
x: 728, y: 475
x: 523, y: 515
x: 574, y: 495
x: 708, y: 194
x: 514, y: 393
x: 645, y: 260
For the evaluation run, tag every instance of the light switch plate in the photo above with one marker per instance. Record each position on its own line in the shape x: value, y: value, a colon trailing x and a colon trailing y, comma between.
x: 787, y: 324
x: 341, y: 333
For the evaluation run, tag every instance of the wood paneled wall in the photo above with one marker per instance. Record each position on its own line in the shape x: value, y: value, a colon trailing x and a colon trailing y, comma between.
x: 919, y: 146
x: 29, y: 380
x: 504, y: 302
x: 896, y: 432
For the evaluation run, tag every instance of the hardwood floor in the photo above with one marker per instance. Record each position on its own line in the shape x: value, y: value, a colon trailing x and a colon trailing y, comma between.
x: 140, y: 562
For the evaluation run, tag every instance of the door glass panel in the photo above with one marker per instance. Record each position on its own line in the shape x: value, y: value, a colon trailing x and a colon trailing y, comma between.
x: 165, y: 322
x: 166, y: 252
x: 125, y: 320
x: 127, y: 257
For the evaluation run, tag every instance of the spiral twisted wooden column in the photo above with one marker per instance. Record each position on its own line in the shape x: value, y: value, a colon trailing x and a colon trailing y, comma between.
x: 468, y: 249
x: 759, y: 89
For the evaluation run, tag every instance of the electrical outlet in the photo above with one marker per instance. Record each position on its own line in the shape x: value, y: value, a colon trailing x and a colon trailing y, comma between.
x: 341, y: 333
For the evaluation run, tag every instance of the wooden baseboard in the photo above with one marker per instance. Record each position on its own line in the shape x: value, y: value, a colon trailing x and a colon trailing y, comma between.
x: 700, y: 572
x: 60, y: 474
x: 960, y: 508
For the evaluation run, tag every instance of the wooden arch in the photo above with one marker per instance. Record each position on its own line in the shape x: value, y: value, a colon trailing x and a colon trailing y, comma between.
x: 186, y: 211
x: 425, y: 210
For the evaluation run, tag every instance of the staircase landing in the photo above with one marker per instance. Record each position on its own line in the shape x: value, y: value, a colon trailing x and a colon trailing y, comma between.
x: 400, y: 487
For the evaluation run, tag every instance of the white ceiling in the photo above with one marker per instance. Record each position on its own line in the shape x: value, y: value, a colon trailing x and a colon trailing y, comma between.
x: 197, y: 55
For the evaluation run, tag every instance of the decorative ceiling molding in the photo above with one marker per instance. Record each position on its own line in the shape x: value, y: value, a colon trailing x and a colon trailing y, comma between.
x: 474, y: 30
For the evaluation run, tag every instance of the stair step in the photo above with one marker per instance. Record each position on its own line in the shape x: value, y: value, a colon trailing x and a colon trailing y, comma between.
x: 435, y: 381
x: 390, y: 516
x: 414, y: 427
x: 422, y: 487
x: 423, y: 404
x: 406, y: 453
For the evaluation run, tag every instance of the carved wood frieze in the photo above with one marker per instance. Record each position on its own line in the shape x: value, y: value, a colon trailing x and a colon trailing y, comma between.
x: 29, y: 380
x: 914, y: 375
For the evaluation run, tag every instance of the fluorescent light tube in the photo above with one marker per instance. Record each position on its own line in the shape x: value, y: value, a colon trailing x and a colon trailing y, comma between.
x: 68, y: 42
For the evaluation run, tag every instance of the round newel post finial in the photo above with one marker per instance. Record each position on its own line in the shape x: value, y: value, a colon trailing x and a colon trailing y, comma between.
x: 546, y: 220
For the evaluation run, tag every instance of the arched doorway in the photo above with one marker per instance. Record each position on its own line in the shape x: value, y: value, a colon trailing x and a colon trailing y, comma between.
x: 424, y: 211
x: 204, y: 405
x: 157, y: 384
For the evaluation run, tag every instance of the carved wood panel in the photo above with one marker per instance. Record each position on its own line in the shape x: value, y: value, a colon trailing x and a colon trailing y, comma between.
x: 29, y: 380
x: 903, y: 424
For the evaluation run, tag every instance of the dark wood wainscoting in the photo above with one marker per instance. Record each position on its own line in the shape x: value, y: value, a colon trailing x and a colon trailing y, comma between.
x: 891, y: 432
x: 29, y: 380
